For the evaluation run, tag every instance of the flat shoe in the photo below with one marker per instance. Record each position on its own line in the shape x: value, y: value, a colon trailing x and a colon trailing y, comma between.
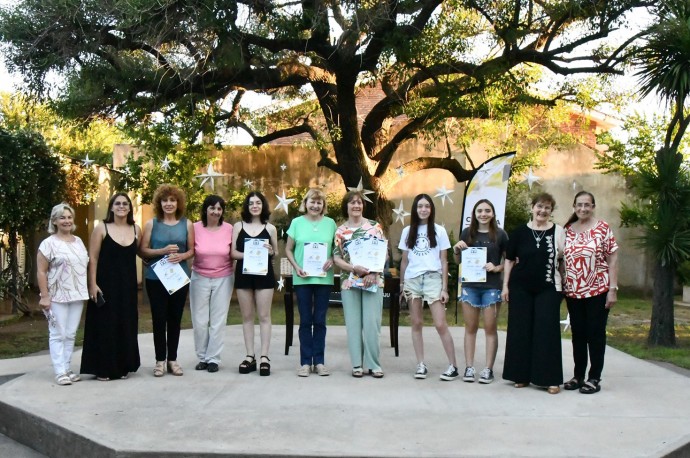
x: 159, y: 369
x: 212, y: 367
x: 175, y: 368
x: 521, y: 385
x: 201, y: 366
x: 357, y: 372
x: 591, y: 386
x: 322, y: 370
x: 572, y: 384
x: 304, y: 371
x: 376, y: 374
x: 103, y: 379
x: 554, y: 389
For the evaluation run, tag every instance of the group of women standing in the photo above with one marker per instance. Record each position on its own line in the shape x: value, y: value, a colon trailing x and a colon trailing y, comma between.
x: 539, y: 261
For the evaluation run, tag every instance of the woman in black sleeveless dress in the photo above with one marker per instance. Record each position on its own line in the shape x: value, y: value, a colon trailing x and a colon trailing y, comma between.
x: 255, y: 292
x: 111, y: 348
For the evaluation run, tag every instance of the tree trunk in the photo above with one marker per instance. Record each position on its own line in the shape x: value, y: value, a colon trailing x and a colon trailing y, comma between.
x: 661, y: 329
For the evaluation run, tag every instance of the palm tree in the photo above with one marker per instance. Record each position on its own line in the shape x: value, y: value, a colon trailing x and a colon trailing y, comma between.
x: 664, y: 68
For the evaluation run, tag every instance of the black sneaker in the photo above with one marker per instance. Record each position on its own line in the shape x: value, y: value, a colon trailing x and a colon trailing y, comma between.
x: 450, y: 374
x: 486, y: 375
x: 469, y: 374
x: 421, y: 371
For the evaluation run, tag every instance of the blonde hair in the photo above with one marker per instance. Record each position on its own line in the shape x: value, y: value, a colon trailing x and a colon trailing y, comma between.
x: 56, y: 213
x: 314, y: 194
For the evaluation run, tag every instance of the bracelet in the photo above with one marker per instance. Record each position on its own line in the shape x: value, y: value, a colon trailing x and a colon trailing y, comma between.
x: 613, y: 287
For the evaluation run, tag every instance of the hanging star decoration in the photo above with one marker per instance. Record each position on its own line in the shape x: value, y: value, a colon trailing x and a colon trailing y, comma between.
x: 400, y: 213
x: 209, y: 176
x: 165, y: 164
x: 86, y: 162
x: 248, y: 183
x: 283, y: 202
x: 530, y: 178
x: 444, y: 194
x: 400, y: 171
x: 281, y: 283
x: 87, y: 197
x: 283, y: 167
x: 361, y: 189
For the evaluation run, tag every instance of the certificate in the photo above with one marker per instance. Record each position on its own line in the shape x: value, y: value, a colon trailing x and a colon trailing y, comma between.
x: 171, y: 275
x: 474, y: 265
x: 255, y: 257
x: 369, y: 253
x: 315, y: 256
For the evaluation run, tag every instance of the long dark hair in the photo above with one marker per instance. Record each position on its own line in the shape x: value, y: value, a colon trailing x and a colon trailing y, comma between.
x: 211, y: 201
x: 110, y: 218
x: 414, y: 223
x: 265, y: 212
x: 573, y: 217
x: 474, y: 223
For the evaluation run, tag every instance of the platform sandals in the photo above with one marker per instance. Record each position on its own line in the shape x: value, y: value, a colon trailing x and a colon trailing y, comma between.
x: 265, y: 366
x: 248, y: 365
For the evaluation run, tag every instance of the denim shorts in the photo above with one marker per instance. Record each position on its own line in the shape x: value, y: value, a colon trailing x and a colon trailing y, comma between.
x: 481, y: 298
x: 427, y: 286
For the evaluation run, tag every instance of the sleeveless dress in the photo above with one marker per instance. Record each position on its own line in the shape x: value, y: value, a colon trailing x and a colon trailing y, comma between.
x: 243, y: 281
x: 111, y: 348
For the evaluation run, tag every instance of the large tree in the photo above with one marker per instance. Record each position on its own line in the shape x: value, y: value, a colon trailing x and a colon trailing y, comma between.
x: 664, y: 62
x: 31, y: 182
x: 433, y: 59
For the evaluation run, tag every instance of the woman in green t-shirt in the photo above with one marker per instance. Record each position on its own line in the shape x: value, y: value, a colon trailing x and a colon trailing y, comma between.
x: 310, y: 251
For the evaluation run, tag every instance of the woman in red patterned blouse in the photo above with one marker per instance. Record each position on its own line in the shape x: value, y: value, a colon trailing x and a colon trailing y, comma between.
x: 591, y: 287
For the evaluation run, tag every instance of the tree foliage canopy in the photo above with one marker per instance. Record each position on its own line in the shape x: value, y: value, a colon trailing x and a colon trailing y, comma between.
x: 433, y: 60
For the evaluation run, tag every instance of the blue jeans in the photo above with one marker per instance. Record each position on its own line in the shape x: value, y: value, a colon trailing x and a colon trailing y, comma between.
x: 312, y: 304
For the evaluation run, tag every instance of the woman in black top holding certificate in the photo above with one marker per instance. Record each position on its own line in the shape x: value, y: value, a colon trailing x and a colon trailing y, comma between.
x: 361, y: 290
x: 482, y: 296
x: 254, y: 278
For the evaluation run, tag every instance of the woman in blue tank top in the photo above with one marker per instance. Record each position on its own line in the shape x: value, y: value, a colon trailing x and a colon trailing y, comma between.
x: 169, y: 234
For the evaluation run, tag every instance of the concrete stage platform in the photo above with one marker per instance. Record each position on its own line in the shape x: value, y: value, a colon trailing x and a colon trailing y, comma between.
x: 643, y: 410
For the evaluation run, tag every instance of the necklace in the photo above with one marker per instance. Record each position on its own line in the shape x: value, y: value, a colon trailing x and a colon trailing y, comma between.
x: 538, y: 236
x: 315, y: 226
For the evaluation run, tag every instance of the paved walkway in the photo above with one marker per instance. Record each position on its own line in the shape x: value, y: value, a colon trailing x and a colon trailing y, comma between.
x: 643, y: 409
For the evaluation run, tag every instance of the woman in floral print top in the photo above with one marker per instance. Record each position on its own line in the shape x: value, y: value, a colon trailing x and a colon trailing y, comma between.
x: 591, y: 289
x: 361, y: 292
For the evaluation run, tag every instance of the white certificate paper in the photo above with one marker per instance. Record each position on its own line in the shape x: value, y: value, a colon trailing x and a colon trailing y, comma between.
x: 315, y: 256
x: 255, y: 257
x: 473, y: 265
x: 171, y: 275
x: 369, y: 253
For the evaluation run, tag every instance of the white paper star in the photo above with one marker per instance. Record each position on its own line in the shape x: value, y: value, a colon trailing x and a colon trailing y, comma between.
x: 530, y: 178
x: 87, y: 197
x: 283, y: 202
x: 165, y: 164
x: 248, y: 183
x: 281, y: 283
x: 400, y: 171
x: 126, y: 171
x: 444, y: 194
x: 86, y: 162
x: 400, y: 213
x: 361, y: 189
x: 283, y: 167
x: 209, y: 176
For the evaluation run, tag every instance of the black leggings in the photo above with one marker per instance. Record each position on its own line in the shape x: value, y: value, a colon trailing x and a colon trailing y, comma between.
x: 166, y: 312
x: 588, y: 319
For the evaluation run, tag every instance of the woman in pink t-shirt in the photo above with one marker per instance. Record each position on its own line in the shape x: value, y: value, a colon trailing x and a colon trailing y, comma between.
x: 591, y: 289
x: 211, y: 283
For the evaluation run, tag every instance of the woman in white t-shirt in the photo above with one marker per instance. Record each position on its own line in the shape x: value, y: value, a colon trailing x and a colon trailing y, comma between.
x: 62, y: 263
x: 424, y: 270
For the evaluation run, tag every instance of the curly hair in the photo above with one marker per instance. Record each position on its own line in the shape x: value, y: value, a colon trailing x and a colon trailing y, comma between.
x: 167, y: 190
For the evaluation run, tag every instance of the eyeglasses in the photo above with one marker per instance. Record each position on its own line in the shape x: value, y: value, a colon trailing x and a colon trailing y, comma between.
x: 120, y: 204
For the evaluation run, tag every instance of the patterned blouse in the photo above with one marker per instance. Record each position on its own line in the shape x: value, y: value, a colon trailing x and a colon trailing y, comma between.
x: 587, y: 272
x: 68, y: 262
x: 345, y: 234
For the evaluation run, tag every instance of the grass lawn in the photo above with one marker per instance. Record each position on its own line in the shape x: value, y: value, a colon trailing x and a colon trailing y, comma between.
x: 627, y: 328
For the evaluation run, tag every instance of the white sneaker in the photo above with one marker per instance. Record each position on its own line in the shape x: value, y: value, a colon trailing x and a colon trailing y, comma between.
x: 304, y: 371
x: 63, y: 380
x: 73, y: 377
x: 322, y: 370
